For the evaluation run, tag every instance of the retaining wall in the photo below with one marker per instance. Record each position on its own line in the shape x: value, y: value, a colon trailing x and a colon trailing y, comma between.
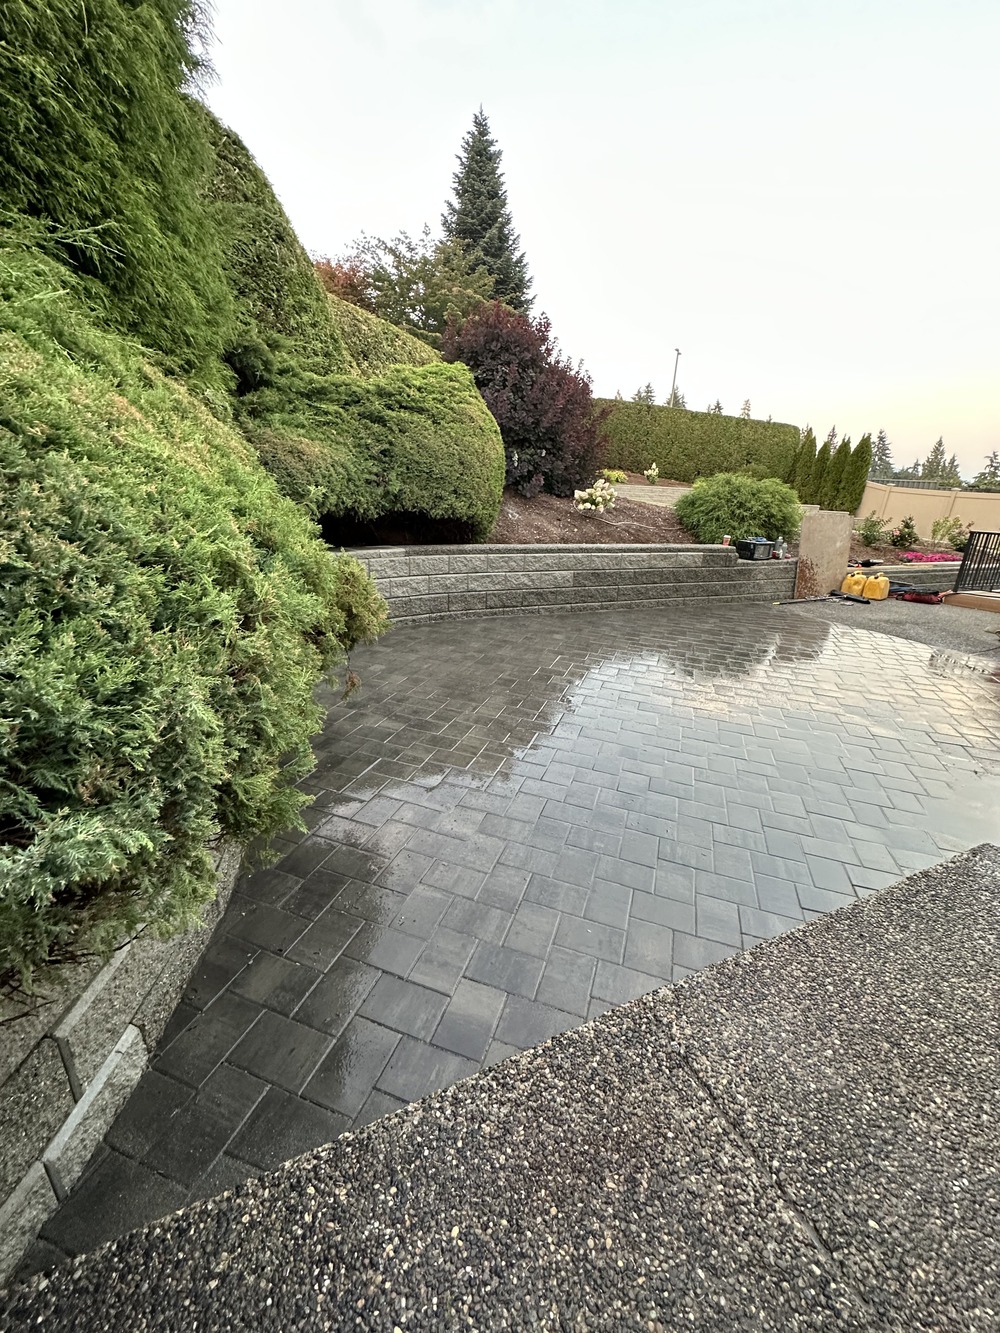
x: 68, y: 1064
x: 447, y: 582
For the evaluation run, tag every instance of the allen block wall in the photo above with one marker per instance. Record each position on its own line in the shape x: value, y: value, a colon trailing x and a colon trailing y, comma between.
x: 444, y: 582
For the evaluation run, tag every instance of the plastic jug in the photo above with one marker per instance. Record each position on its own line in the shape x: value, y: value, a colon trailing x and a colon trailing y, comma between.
x: 876, y: 588
x: 855, y: 583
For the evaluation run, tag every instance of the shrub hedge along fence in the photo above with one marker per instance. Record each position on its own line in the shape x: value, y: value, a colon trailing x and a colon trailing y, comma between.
x: 686, y: 445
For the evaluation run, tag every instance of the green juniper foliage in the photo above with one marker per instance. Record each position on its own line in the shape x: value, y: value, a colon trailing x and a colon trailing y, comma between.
x: 101, y: 147
x: 480, y: 219
x: 164, y: 615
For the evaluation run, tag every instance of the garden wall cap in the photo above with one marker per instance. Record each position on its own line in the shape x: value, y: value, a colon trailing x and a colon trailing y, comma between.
x: 800, y: 1137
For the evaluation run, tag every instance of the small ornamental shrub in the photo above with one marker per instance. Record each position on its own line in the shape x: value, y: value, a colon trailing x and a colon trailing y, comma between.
x: 960, y: 540
x: 596, y: 498
x: 614, y: 475
x: 873, y: 530
x: 740, y: 506
x: 905, y: 535
x: 947, y: 529
x: 652, y: 474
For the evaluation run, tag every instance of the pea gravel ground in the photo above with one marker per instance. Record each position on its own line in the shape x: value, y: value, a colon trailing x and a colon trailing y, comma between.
x: 802, y: 1137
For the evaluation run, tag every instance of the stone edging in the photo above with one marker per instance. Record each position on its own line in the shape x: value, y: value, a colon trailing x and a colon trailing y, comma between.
x: 450, y: 582
x: 67, y: 1067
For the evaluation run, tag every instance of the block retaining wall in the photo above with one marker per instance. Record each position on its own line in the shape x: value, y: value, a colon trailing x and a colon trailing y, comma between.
x: 68, y: 1065
x: 449, y: 582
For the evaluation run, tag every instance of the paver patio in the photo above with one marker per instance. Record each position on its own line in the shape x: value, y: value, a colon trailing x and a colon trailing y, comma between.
x: 518, y: 824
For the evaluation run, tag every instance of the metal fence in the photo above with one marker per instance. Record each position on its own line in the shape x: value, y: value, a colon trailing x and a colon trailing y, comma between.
x: 980, y: 567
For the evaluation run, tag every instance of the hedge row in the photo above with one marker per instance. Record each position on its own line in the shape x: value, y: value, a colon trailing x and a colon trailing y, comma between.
x: 164, y: 615
x: 687, y: 445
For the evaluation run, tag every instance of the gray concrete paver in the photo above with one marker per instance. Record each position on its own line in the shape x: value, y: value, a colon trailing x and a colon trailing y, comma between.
x: 608, y: 803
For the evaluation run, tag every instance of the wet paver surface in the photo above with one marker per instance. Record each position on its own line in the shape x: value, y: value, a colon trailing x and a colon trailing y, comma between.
x: 518, y: 824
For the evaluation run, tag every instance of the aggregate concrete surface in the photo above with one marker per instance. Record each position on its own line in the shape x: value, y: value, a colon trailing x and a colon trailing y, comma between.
x: 958, y: 630
x: 801, y: 1137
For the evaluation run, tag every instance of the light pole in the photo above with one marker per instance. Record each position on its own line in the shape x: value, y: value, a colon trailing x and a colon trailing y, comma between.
x: 673, y: 386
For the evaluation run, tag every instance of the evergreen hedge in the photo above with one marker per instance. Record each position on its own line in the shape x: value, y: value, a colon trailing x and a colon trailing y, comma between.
x: 416, y: 440
x: 343, y: 427
x: 164, y: 615
x: 104, y: 150
x: 687, y: 445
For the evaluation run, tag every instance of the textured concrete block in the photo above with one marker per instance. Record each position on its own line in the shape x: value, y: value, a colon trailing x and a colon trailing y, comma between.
x: 504, y: 563
x: 21, y: 1217
x: 435, y: 604
x: 427, y: 564
x: 414, y: 586
x: 449, y: 583
x: 467, y: 601
x: 33, y: 1104
x: 467, y: 564
x: 508, y: 598
x: 71, y: 1149
x: 25, y: 1022
x: 93, y: 1027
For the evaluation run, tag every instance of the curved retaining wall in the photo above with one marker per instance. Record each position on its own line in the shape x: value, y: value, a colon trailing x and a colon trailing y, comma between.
x: 68, y: 1065
x: 446, y: 582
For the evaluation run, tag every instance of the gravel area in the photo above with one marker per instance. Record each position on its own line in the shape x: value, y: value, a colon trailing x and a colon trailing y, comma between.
x: 954, y: 629
x: 802, y: 1137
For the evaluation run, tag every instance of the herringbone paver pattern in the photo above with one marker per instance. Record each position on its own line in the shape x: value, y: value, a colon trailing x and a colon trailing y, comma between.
x: 518, y: 824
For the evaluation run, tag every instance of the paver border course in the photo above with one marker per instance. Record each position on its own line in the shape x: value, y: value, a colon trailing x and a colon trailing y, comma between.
x: 68, y: 1064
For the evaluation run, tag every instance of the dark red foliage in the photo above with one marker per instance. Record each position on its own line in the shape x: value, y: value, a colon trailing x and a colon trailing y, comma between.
x: 542, y: 403
x: 347, y: 278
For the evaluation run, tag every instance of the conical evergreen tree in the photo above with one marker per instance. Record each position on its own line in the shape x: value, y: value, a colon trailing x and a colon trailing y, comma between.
x: 881, y: 456
x: 478, y: 216
x: 855, y: 478
x: 815, y: 487
x: 834, y: 474
x: 804, y: 465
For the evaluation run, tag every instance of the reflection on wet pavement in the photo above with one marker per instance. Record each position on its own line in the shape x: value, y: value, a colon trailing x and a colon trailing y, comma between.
x: 516, y: 825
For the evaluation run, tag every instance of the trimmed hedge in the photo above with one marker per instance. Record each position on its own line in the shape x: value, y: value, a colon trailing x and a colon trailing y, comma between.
x: 417, y: 440
x: 687, y: 445
x: 340, y: 424
x: 374, y: 344
x: 164, y: 615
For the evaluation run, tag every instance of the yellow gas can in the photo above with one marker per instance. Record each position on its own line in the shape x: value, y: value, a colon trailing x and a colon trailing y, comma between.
x: 854, y: 583
x: 876, y: 588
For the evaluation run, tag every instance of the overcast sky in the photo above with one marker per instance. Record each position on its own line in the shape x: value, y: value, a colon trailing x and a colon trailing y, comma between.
x: 800, y: 195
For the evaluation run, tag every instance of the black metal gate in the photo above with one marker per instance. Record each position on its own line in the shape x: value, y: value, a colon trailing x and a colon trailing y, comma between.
x: 980, y: 568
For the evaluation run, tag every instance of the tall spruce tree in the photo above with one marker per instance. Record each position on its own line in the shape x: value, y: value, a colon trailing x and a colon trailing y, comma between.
x: 479, y: 217
x: 934, y: 465
x: 855, y: 478
x: 881, y: 465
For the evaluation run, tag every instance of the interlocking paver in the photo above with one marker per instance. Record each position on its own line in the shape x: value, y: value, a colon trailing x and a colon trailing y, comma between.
x: 575, y: 809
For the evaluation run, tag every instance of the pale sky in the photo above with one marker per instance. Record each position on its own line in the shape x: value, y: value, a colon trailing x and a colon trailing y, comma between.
x: 800, y: 195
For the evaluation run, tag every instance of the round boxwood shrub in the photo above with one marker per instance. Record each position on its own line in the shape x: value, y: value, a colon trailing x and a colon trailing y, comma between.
x: 740, y: 506
x: 164, y: 617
